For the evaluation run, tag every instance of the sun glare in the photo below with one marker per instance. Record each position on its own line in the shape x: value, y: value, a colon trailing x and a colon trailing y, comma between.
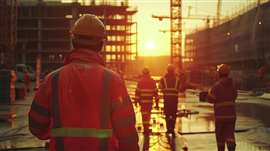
x: 149, y: 49
x: 150, y: 45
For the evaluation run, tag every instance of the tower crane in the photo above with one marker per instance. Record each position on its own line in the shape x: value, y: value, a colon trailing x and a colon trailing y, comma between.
x: 176, y: 39
x: 176, y: 28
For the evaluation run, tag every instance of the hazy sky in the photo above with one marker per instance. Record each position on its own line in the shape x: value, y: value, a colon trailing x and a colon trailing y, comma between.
x: 153, y: 42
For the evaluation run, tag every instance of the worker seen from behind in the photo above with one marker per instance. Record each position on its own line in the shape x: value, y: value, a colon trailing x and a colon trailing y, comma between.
x: 170, y: 87
x: 146, y: 91
x: 171, y: 84
x: 84, y: 106
x: 223, y: 95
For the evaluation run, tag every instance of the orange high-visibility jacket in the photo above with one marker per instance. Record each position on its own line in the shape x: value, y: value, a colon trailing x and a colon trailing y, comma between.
x: 84, y: 106
x: 223, y: 95
x: 146, y: 89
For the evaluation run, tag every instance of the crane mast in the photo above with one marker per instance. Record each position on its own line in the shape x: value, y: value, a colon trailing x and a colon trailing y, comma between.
x: 176, y: 32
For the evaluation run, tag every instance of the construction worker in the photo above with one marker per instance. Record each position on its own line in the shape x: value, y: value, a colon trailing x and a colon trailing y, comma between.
x: 170, y: 87
x: 171, y: 84
x: 84, y: 106
x: 145, y: 92
x: 223, y: 95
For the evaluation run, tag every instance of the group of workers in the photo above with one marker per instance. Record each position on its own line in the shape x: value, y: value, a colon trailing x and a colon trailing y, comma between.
x: 147, y: 91
x: 84, y: 106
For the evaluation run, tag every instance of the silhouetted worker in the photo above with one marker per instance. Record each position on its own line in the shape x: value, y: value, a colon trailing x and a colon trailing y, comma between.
x: 170, y: 87
x: 84, y: 106
x: 171, y: 84
x: 145, y: 92
x: 223, y: 95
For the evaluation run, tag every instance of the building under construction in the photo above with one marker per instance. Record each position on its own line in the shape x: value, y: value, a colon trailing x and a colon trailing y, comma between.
x: 43, y: 30
x: 243, y: 42
x: 8, y: 24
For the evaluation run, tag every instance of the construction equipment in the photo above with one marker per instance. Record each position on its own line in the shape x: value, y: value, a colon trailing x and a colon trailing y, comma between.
x: 175, y: 30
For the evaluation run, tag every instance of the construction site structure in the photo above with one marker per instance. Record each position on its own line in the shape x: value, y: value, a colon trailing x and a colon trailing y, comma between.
x: 242, y: 42
x: 176, y: 31
x: 8, y: 24
x: 43, y: 31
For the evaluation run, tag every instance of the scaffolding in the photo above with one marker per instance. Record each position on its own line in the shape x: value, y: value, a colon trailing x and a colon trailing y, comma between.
x: 8, y: 24
x: 43, y: 28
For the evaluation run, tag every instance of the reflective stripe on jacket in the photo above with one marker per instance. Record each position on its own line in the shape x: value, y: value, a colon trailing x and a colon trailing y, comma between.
x: 146, y: 90
x: 84, y: 106
x: 170, y: 85
x: 223, y: 95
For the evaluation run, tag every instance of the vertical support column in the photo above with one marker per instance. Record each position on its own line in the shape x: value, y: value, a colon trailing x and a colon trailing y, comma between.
x: 13, y: 30
x: 38, y: 57
x: 15, y: 16
x: 38, y: 61
x: 125, y: 40
x: 136, y: 32
x: 218, y: 11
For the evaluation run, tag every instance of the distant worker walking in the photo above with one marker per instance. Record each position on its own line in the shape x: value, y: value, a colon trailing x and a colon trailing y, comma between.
x: 146, y: 91
x: 84, y: 106
x: 223, y: 95
x: 171, y: 84
x: 170, y: 87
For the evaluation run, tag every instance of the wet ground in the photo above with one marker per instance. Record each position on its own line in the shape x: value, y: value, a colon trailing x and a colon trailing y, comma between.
x: 195, y: 131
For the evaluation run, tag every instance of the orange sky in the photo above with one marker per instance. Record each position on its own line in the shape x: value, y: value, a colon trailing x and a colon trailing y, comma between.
x: 148, y: 28
x: 151, y: 42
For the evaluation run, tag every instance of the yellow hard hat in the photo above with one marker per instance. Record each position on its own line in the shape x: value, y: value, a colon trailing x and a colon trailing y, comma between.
x: 170, y: 68
x: 89, y: 25
x: 145, y: 71
x: 224, y: 69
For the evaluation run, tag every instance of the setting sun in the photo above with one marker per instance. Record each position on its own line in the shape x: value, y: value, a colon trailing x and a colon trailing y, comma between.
x: 150, y: 49
x: 150, y: 45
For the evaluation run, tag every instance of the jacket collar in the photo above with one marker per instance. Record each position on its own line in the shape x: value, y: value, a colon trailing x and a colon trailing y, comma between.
x: 84, y: 55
